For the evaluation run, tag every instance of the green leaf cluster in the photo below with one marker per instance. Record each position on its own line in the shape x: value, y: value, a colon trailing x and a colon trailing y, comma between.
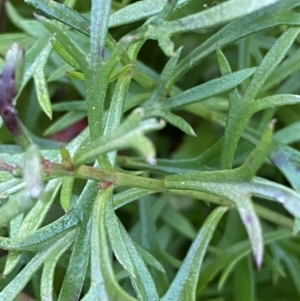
x: 178, y: 178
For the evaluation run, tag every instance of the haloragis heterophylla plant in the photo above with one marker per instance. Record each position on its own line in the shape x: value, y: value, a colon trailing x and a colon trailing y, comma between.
x: 185, y: 183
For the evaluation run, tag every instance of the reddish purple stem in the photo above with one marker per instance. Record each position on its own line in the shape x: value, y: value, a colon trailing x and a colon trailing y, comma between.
x: 7, y: 93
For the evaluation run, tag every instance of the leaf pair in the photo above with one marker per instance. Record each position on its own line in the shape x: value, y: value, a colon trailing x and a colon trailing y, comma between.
x: 238, y: 185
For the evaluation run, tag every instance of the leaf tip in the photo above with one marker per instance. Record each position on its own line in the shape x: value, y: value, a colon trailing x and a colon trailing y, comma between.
x: 272, y: 123
x: 259, y: 260
x: 193, y: 134
x: 151, y: 161
x: 49, y: 114
x: 39, y: 17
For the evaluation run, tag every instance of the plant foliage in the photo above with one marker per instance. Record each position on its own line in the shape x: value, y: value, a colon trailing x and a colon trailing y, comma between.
x: 178, y: 179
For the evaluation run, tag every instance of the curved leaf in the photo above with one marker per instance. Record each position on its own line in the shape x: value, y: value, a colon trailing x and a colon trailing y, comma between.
x: 75, y: 275
x: 128, y: 255
x: 129, y: 134
x: 103, y: 283
x: 184, y: 285
x: 34, y: 219
x: 11, y: 291
x: 273, y: 15
x: 63, y: 13
x: 208, y: 89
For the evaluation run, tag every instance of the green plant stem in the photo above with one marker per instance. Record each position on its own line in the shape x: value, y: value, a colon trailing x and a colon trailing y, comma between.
x: 109, y: 177
x: 118, y: 178
x: 88, y: 172
x: 140, y: 182
x: 122, y: 179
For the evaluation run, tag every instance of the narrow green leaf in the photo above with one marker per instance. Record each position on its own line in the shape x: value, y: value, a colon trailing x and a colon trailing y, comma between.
x: 12, y: 190
x: 6, y: 41
x: 239, y: 194
x: 9, y: 184
x: 34, y: 219
x: 127, y: 254
x: 163, y: 79
x: 283, y: 71
x: 99, y: 30
x: 14, y: 226
x: 174, y: 166
x: 60, y: 227
x: 270, y: 62
x: 67, y: 48
x: 175, y: 120
x: 116, y: 109
x: 243, y: 281
x: 140, y: 10
x: 123, y: 71
x: 184, y: 285
x: 286, y: 159
x: 129, y: 134
x: 233, y: 111
x: 288, y: 134
x: 17, y: 203
x: 241, y: 115
x: 150, y: 260
x: 296, y: 227
x: 252, y: 225
x: 289, y: 198
x: 11, y: 291
x: 223, y: 62
x: 293, y: 267
x: 257, y: 157
x: 61, y: 13
x: 96, y: 75
x: 179, y: 222
x: 32, y: 59
x: 42, y: 238
x: 65, y: 158
x: 214, y: 16
x: 65, y: 121
x: 59, y: 73
x: 208, y: 89
x: 4, y: 177
x: 150, y: 240
x: 47, y: 279
x: 168, y: 9
x: 66, y: 56
x: 274, y: 217
x: 273, y: 15
x: 103, y: 283
x: 75, y: 75
x: 75, y: 275
x: 273, y: 101
x: 118, y: 245
x: 148, y: 235
x: 70, y: 3
x: 233, y: 95
x: 66, y: 193
x: 125, y: 197
x: 31, y: 27
x: 233, y: 254
x: 71, y: 105
x: 126, y: 70
x: 40, y: 81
